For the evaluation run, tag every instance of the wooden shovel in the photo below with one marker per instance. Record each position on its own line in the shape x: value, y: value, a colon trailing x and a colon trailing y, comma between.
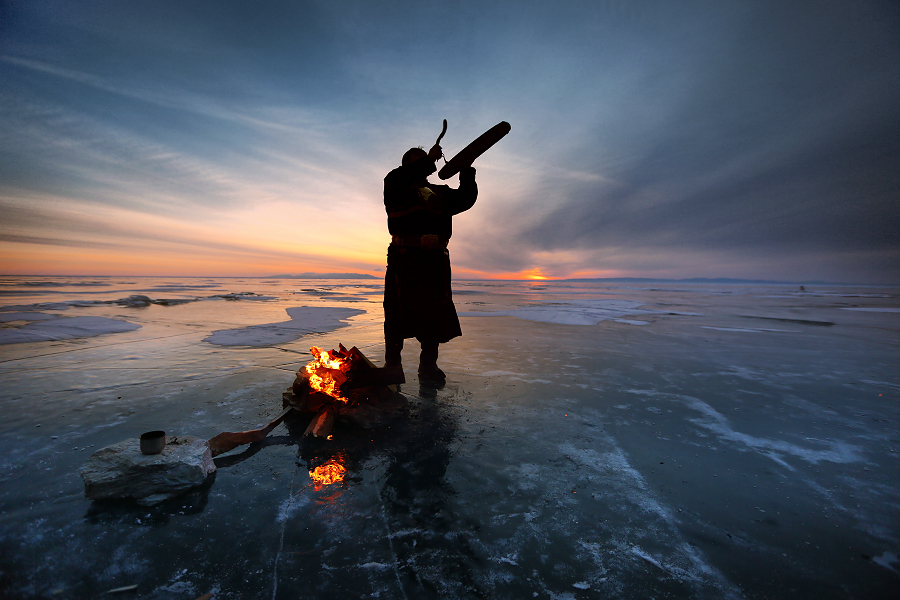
x: 229, y: 441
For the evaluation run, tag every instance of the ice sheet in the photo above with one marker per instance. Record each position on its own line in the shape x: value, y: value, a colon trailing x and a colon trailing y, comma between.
x: 697, y: 456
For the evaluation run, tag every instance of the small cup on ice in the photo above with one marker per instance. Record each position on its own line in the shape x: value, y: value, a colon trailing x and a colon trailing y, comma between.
x: 153, y: 442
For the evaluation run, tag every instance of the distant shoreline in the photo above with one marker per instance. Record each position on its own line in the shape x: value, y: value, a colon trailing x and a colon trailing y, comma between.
x: 364, y: 276
x: 298, y: 276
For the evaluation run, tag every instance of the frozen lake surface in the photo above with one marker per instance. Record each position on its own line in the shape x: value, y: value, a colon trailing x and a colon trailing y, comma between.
x: 594, y: 440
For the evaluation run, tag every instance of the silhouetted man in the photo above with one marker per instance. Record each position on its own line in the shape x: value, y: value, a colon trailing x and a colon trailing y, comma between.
x: 417, y: 297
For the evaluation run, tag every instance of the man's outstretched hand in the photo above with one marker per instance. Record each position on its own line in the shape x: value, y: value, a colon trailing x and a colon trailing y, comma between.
x: 435, y: 153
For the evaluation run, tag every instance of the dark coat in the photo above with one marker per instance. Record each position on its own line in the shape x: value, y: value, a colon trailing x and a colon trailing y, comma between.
x: 417, y: 296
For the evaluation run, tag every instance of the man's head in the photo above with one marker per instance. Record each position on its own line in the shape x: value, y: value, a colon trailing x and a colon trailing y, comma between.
x: 412, y: 155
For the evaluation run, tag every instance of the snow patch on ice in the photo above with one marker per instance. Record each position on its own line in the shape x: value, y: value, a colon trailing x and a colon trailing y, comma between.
x: 615, y: 462
x: 290, y: 506
x: 177, y: 287
x: 62, y: 328
x: 881, y: 383
x: 678, y: 572
x: 376, y: 565
x: 242, y: 296
x: 513, y: 375
x: 576, y: 312
x: 330, y: 295
x: 304, y: 320
x: 500, y: 374
x: 179, y: 587
x: 67, y: 283
x: 839, y: 452
x: 404, y: 533
x: 176, y: 586
x: 749, y: 329
x: 7, y: 317
x: 644, y: 555
x: 743, y: 373
x: 36, y: 306
x: 886, y: 560
x: 777, y: 458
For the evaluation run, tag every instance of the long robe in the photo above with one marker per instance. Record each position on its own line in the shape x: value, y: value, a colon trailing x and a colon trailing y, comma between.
x: 417, y: 298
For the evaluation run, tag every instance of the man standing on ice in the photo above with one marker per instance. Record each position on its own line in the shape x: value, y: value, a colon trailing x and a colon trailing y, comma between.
x: 417, y: 297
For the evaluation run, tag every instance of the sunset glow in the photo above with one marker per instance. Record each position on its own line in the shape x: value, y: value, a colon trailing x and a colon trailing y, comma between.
x: 533, y: 274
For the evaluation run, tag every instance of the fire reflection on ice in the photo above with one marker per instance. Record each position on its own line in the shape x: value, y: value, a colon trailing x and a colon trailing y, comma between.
x: 329, y: 473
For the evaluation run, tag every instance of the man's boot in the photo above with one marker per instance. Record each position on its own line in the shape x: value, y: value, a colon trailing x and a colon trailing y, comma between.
x: 393, y: 365
x: 428, y: 369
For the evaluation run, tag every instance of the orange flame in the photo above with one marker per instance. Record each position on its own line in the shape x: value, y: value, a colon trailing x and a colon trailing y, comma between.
x: 330, y: 473
x: 327, y: 372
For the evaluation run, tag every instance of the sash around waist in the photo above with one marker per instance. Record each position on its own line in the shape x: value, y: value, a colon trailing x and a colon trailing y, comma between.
x: 428, y: 241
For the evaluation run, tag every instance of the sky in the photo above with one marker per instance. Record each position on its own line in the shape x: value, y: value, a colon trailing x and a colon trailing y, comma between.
x: 737, y: 138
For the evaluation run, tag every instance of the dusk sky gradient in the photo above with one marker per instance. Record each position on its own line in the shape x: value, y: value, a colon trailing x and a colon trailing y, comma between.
x: 743, y: 139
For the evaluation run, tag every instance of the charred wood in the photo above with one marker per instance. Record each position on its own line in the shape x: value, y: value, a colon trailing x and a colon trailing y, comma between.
x: 322, y: 424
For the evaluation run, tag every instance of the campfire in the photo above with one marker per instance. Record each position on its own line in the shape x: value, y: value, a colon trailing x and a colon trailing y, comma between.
x: 335, y: 384
x: 328, y: 371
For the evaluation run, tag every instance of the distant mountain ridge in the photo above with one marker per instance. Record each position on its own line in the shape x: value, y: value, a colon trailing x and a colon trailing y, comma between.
x: 322, y: 276
x: 723, y: 280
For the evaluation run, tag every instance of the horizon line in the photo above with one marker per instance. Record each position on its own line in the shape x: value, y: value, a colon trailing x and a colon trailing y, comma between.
x: 724, y: 280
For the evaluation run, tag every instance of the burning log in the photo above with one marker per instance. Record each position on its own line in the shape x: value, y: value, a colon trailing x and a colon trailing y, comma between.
x: 328, y: 372
x: 347, y: 383
x: 303, y: 398
x: 321, y: 425
x: 341, y: 375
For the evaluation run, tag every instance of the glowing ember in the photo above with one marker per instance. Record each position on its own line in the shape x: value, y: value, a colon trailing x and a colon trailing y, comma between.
x: 330, y: 473
x: 327, y: 372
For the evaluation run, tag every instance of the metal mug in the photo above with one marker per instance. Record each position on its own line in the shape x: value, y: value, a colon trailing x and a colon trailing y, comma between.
x: 153, y: 442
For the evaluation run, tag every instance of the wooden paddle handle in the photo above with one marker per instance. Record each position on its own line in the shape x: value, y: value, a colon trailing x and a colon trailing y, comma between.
x: 467, y: 155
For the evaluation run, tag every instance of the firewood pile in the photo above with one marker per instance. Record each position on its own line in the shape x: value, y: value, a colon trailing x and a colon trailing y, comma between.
x: 338, y: 384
